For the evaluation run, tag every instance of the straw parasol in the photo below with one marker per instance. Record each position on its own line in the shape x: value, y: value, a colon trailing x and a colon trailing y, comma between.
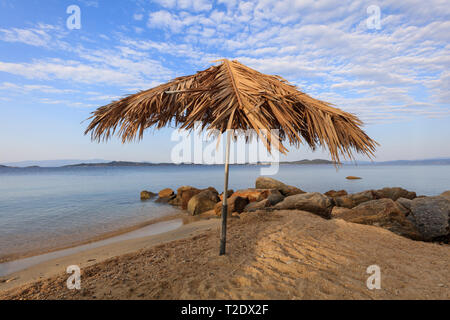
x: 231, y: 97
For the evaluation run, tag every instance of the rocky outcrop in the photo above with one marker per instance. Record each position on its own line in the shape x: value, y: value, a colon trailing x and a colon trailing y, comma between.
x: 431, y: 216
x: 334, y: 193
x: 312, y: 202
x: 234, y: 203
x: 203, y: 201
x: 270, y: 183
x: 383, y: 213
x: 146, y: 195
x: 394, y: 194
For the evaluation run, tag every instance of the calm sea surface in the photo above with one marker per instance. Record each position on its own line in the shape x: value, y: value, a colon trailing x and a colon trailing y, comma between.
x: 41, y: 208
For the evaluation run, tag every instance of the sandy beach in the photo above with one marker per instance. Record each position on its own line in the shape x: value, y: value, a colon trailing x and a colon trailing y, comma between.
x: 271, y: 255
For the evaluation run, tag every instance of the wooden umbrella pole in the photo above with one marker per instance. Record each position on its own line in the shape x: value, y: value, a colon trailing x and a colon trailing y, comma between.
x: 223, y: 239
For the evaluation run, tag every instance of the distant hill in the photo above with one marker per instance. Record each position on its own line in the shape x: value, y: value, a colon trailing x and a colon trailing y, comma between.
x: 103, y: 163
x: 50, y: 163
x: 437, y: 161
x: 116, y: 164
x: 306, y: 161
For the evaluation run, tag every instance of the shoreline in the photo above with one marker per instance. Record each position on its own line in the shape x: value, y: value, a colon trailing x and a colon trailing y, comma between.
x: 110, y: 234
x: 87, y: 257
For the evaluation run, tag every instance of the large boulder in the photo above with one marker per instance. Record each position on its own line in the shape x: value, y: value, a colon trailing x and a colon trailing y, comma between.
x: 203, y: 201
x: 352, y: 200
x: 431, y: 216
x: 146, y: 195
x: 256, y: 195
x: 312, y: 202
x: 383, y: 213
x: 234, y: 203
x: 184, y: 194
x: 270, y: 183
x: 394, y: 193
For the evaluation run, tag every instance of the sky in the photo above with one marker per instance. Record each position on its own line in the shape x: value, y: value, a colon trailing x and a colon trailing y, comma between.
x: 392, y: 72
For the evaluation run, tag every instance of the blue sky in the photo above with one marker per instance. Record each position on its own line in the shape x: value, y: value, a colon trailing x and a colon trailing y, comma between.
x: 395, y: 78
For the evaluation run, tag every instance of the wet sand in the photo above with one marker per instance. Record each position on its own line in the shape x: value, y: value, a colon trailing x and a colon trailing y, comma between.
x: 56, y: 262
x: 107, y: 235
x: 270, y: 255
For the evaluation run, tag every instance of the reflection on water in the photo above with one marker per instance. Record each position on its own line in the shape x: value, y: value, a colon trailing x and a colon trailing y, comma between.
x: 47, y: 207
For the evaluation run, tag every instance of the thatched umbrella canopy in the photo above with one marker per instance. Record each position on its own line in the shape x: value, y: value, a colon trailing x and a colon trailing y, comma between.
x: 232, y: 96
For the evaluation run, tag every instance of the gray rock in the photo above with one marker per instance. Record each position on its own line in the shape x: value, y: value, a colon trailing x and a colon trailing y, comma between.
x: 431, y: 216
x: 405, y: 202
x: 383, y: 213
x: 255, y: 206
x: 312, y: 202
x: 273, y: 199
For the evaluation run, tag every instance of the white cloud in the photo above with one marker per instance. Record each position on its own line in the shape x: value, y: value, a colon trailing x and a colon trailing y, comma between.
x: 191, y: 5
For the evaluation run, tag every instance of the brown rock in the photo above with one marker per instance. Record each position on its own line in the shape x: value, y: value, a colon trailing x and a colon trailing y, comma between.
x: 270, y: 183
x: 166, y: 193
x: 394, y: 193
x: 202, y: 202
x: 145, y: 195
x: 352, y: 200
x: 353, y: 178
x: 256, y: 195
x: 184, y: 194
x: 334, y: 193
x: 229, y: 194
x: 339, y: 211
x: 312, y: 202
x: 235, y: 204
x: 383, y: 213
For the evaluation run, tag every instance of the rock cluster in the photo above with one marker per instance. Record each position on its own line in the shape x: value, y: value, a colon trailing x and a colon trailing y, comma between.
x: 395, y: 209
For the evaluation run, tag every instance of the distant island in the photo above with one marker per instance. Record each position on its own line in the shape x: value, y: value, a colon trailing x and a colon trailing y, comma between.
x: 440, y: 161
